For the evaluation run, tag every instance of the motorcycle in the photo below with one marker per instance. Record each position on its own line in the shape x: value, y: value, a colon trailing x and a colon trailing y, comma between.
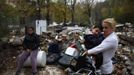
x: 76, y: 62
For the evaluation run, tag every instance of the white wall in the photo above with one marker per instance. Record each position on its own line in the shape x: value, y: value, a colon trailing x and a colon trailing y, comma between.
x: 41, y: 26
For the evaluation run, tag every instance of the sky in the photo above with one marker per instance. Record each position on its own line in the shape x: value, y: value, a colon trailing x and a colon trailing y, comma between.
x: 100, y: 0
x: 95, y: 0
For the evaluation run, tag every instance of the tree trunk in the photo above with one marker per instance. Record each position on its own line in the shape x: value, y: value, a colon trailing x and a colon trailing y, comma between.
x: 48, y: 11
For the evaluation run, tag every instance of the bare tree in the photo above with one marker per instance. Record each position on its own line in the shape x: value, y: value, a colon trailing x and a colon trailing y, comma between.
x: 38, y: 9
x: 48, y: 11
x: 89, y: 4
x: 65, y: 13
x: 73, y: 2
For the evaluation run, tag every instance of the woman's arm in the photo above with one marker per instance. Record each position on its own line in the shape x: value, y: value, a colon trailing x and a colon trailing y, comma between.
x: 105, y: 45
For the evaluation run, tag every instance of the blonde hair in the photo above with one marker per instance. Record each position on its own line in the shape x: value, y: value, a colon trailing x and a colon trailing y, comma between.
x: 111, y: 21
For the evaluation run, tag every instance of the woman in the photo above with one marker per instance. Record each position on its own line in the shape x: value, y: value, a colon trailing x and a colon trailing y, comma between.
x: 107, y: 47
x: 30, y: 45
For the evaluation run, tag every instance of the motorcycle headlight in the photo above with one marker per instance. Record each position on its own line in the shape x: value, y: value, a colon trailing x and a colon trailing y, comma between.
x: 73, y: 62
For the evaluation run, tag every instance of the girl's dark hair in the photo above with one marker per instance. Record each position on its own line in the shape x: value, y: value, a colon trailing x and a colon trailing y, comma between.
x: 28, y: 27
x: 95, y: 26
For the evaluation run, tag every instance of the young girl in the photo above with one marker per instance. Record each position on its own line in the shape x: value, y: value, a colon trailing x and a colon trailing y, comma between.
x: 30, y: 44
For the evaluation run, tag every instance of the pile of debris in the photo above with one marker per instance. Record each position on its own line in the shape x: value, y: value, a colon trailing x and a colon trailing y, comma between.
x: 8, y: 56
x: 48, y: 70
x: 126, y: 40
x: 124, y: 61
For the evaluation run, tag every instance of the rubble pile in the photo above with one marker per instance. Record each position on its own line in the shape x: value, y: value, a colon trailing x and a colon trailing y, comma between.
x: 7, y: 56
x: 124, y: 61
x: 10, y: 49
x: 48, y: 70
x: 126, y: 39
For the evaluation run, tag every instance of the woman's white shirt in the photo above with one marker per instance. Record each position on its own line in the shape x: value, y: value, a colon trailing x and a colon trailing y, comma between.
x: 108, y: 48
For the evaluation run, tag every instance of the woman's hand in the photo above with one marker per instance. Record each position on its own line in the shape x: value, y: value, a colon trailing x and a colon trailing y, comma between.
x: 82, y: 41
x: 85, y: 53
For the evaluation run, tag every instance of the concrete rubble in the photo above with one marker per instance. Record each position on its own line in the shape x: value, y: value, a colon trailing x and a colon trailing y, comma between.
x: 9, y: 49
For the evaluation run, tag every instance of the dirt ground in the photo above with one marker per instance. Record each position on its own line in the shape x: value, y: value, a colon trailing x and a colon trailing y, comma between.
x: 9, y: 53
